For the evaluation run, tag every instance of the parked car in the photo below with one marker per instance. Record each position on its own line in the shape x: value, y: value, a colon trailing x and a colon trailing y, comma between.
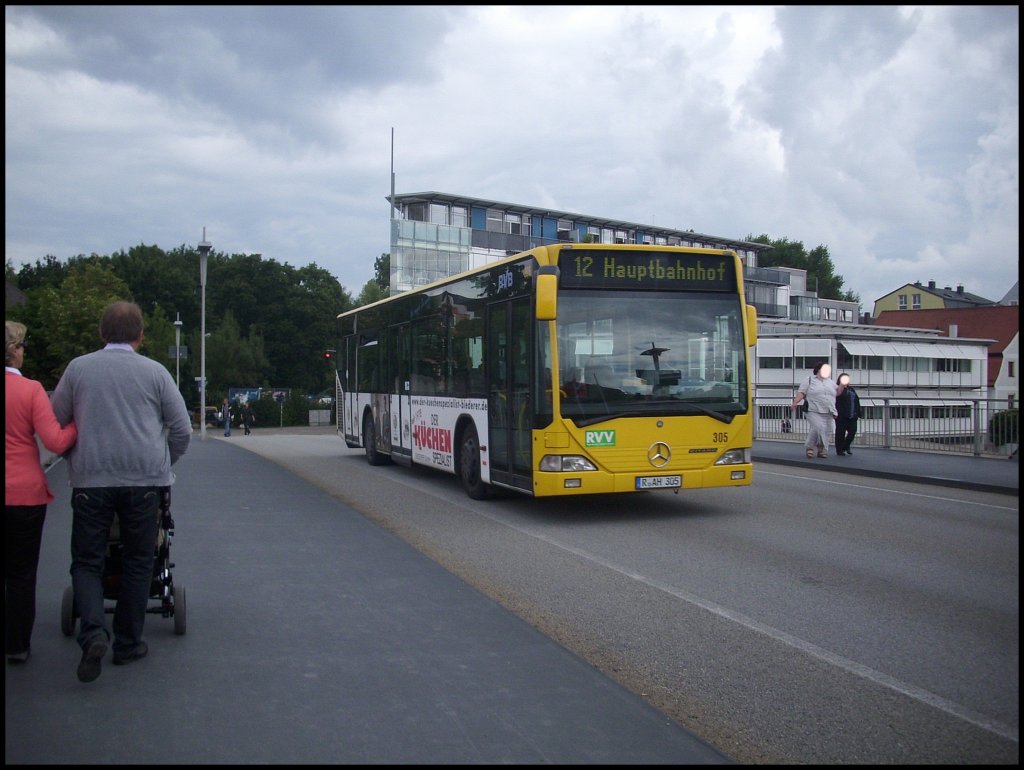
x: 211, y: 416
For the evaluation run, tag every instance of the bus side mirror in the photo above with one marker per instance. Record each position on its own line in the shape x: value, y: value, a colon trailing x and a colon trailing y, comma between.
x: 751, y: 325
x: 547, y: 293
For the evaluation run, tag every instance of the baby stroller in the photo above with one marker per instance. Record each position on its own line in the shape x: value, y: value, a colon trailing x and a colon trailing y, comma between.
x: 169, y: 598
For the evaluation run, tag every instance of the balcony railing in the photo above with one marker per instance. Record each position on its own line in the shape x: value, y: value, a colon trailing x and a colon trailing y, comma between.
x: 967, y: 426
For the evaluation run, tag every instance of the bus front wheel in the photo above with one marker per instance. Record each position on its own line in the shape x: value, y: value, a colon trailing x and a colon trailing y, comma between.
x: 469, y: 466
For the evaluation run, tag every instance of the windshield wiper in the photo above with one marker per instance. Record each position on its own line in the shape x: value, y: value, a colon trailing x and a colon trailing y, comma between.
x: 720, y: 416
x: 671, y: 406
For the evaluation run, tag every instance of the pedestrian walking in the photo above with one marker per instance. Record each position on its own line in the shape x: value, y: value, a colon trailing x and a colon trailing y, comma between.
x: 133, y: 425
x: 820, y: 393
x: 847, y: 414
x: 225, y: 416
x: 27, y: 415
x: 248, y: 418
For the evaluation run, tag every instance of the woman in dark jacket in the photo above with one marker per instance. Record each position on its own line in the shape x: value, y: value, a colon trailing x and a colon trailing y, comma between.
x: 847, y: 413
x: 248, y: 418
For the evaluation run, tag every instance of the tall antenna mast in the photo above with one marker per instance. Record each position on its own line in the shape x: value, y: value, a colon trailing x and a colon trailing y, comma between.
x: 392, y: 172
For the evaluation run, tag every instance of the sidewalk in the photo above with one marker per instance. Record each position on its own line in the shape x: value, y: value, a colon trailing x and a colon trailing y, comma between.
x: 982, y: 474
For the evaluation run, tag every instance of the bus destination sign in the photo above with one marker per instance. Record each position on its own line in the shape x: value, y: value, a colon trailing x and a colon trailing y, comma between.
x: 646, y: 270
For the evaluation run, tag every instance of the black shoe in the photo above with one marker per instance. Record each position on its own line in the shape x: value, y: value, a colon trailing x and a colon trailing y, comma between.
x: 849, y: 451
x: 92, y: 657
x: 138, y: 652
x: 840, y: 454
x: 18, y: 657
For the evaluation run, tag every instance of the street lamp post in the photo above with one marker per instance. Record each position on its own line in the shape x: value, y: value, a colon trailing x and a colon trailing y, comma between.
x: 204, y: 253
x: 177, y: 350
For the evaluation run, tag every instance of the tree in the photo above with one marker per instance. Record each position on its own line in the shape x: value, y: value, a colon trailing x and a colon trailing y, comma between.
x: 233, y: 361
x: 371, y: 293
x: 158, y: 338
x: 67, y: 318
x: 47, y: 272
x: 818, y: 264
x: 382, y: 274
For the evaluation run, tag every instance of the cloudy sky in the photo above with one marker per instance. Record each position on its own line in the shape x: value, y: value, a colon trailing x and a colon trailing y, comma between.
x: 887, y: 134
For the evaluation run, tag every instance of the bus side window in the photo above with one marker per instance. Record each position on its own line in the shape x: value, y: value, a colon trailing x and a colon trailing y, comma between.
x: 476, y: 380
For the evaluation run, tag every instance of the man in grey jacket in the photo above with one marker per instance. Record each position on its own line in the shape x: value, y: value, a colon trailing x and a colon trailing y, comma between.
x: 132, y: 426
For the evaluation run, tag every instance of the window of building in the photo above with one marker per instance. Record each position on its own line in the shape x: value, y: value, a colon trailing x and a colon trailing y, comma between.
x: 903, y: 301
x: 593, y: 234
x: 439, y: 213
x: 908, y: 364
x: 660, y: 240
x: 495, y: 221
x: 868, y: 363
x: 621, y: 236
x: 916, y: 300
x: 1011, y: 369
x: 952, y: 365
x: 607, y: 235
x: 809, y: 362
x: 775, y: 362
x: 513, y: 224
x: 648, y: 240
x: 674, y: 240
x: 460, y: 216
x: 417, y: 212
x: 564, y: 229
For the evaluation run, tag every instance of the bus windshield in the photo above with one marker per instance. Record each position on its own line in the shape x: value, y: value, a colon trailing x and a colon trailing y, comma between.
x: 650, y: 353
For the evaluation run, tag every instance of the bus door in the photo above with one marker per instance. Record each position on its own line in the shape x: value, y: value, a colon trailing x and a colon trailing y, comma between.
x: 401, y: 434
x: 509, y: 331
x: 377, y: 351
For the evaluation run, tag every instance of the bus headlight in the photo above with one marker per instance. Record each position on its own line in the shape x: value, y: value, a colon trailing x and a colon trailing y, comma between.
x: 734, y: 457
x: 572, y: 463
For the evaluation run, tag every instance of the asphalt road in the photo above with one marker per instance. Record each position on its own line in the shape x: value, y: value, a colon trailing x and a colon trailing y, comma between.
x: 816, y: 616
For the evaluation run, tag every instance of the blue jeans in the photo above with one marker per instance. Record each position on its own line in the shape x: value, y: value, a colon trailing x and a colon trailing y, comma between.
x: 94, y: 508
x: 227, y: 427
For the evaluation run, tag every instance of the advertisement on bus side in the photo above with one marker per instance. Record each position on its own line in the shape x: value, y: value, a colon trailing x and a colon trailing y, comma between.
x: 433, y: 428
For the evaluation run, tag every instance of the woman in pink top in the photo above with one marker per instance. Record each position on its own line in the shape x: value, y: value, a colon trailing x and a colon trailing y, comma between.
x: 27, y: 413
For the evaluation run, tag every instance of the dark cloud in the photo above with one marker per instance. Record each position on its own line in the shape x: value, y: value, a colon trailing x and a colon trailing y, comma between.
x: 273, y: 65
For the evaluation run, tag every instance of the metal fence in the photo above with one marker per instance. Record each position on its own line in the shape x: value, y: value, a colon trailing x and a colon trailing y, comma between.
x: 970, y: 426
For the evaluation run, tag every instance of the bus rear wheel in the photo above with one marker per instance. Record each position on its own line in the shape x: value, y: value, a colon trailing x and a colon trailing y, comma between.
x: 469, y: 466
x: 373, y: 457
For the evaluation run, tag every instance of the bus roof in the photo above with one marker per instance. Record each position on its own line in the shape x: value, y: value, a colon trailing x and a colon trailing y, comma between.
x: 545, y: 255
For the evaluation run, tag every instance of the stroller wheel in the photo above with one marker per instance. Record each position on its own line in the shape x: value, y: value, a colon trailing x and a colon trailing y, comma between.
x: 67, y: 612
x: 178, y: 592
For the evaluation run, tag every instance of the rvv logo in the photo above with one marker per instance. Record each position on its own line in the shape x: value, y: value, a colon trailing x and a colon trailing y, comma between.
x: 600, y: 438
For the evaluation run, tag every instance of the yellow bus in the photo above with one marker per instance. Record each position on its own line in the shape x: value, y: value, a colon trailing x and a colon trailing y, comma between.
x: 570, y: 369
